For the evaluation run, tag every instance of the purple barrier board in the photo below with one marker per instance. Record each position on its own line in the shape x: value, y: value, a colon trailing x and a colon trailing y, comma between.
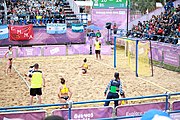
x: 156, y: 54
x: 78, y: 49
x: 38, y: 115
x: 54, y: 50
x: 175, y: 116
x: 140, y: 109
x: 86, y: 113
x: 176, y: 105
x: 3, y: 50
x: 29, y: 51
x: 171, y: 58
x: 105, y: 50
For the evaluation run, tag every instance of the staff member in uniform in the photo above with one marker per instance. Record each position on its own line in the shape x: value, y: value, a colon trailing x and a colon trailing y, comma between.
x: 114, y: 87
x: 97, y: 48
x: 37, y: 81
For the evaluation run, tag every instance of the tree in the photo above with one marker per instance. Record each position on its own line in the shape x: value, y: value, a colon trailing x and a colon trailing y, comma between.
x: 143, y: 5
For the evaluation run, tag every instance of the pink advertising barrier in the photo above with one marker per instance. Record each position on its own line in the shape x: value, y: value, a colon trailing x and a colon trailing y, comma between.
x: 85, y: 49
x: 29, y: 51
x: 86, y: 113
x: 78, y: 49
x: 176, y: 105
x: 105, y: 50
x: 3, y: 50
x: 140, y: 109
x: 38, y: 115
x: 54, y: 50
x: 175, y: 116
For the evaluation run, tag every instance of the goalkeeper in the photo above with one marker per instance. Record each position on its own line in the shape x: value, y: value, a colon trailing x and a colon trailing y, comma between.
x: 114, y: 87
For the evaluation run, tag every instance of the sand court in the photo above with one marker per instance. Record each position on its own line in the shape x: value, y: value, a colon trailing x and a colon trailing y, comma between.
x: 84, y: 87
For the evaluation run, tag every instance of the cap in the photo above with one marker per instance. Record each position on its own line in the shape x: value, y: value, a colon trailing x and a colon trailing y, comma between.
x: 116, y: 75
x: 156, y: 115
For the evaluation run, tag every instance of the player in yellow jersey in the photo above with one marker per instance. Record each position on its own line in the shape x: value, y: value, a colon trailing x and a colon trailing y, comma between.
x: 97, y: 48
x: 37, y: 81
x: 64, y: 92
x: 84, y: 67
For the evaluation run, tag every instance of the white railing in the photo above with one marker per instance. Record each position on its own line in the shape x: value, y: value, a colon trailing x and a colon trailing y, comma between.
x: 75, y: 8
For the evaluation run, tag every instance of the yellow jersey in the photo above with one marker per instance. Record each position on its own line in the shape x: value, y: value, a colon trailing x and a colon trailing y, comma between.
x: 64, y: 90
x: 36, y: 80
x: 97, y: 45
x: 85, y: 65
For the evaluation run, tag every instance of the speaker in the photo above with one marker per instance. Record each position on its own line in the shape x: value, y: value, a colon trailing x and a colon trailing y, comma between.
x: 108, y: 25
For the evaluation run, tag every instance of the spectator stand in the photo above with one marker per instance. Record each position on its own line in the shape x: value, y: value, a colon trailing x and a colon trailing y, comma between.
x: 39, y: 13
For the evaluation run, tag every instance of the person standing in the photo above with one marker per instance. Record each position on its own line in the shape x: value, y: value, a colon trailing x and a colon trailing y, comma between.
x: 37, y: 81
x: 97, y: 48
x: 114, y: 87
x: 9, y: 55
x: 98, y: 34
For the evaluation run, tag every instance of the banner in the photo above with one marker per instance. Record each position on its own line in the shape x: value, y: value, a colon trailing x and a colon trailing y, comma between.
x: 56, y: 28
x: 136, y: 110
x: 77, y: 28
x: 86, y: 113
x: 21, y: 32
x: 38, y: 115
x: 4, y: 32
x: 176, y: 105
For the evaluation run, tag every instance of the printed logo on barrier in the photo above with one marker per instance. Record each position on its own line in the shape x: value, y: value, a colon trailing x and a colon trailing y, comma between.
x: 29, y: 51
x: 136, y: 110
x: 12, y: 118
x: 54, y: 51
x: 86, y: 113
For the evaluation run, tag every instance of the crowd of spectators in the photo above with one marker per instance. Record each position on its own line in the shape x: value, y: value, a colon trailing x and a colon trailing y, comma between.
x: 35, y: 11
x: 164, y: 27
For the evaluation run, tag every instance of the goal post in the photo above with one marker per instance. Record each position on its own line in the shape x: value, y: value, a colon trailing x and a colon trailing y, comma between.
x: 139, y: 55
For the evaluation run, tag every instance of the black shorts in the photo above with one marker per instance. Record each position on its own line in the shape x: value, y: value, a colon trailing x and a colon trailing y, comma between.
x: 97, y: 51
x: 65, y: 97
x: 35, y: 91
x: 10, y: 59
x: 84, y: 70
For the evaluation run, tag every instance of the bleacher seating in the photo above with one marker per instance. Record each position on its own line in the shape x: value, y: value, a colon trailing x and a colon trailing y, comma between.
x: 164, y: 27
x: 38, y: 12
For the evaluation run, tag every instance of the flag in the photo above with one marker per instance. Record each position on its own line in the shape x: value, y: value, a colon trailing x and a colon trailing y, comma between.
x: 24, y: 32
x: 4, y: 34
x: 77, y: 28
x: 56, y: 28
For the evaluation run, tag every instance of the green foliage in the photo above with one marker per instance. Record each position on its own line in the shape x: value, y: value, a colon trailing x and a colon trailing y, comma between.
x: 143, y: 5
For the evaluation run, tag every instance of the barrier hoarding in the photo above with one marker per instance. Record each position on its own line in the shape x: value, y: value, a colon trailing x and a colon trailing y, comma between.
x: 33, y: 115
x: 86, y: 113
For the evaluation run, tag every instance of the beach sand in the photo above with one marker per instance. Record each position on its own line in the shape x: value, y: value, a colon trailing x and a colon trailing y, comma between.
x: 14, y: 92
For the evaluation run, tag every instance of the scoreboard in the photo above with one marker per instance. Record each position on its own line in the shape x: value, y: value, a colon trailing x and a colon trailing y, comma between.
x: 109, y: 4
